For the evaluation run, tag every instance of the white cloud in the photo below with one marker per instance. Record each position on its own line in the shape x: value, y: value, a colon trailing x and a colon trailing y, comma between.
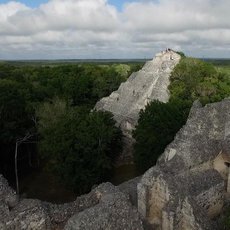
x: 95, y: 29
x: 190, y: 25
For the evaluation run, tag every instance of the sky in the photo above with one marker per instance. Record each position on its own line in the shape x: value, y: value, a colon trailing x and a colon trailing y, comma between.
x: 69, y: 29
x: 30, y: 3
x: 37, y: 3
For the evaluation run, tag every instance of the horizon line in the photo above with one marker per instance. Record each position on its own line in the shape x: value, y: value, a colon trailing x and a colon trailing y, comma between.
x: 98, y: 59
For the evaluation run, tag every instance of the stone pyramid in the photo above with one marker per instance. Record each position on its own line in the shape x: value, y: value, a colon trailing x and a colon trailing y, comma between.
x: 150, y: 83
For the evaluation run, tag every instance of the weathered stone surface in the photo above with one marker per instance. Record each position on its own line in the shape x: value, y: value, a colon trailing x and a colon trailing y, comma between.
x: 8, y: 200
x: 106, y: 206
x: 187, y: 187
x: 60, y: 213
x: 35, y: 214
x: 189, y: 216
x: 204, y: 136
x: 150, y: 83
x: 7, y: 194
x: 4, y: 214
x: 29, y: 214
x: 130, y: 188
x: 114, y: 211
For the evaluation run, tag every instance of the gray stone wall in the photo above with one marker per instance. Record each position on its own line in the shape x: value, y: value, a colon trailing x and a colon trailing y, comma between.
x: 184, y: 189
x: 212, y: 200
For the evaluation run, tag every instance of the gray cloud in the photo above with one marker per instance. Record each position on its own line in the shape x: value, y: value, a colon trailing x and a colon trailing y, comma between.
x: 95, y: 29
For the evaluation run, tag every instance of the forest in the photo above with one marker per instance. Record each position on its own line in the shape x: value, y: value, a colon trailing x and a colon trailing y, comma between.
x: 47, y: 118
x: 45, y: 121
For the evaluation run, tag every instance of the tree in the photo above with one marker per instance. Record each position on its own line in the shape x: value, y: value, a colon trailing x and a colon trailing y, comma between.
x: 18, y: 142
x: 14, y: 117
x: 15, y: 120
x: 156, y: 128
x: 78, y: 146
x: 194, y: 79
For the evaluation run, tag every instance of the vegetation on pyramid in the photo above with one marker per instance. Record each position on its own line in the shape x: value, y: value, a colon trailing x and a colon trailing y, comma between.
x: 192, y: 79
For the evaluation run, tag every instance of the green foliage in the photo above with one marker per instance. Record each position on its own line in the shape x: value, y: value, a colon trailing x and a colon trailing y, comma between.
x: 81, y: 84
x: 122, y: 69
x: 156, y: 128
x: 77, y: 145
x: 15, y: 118
x: 194, y: 79
x: 24, y: 88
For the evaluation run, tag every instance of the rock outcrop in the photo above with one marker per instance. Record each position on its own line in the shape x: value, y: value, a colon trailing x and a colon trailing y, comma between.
x: 114, y: 211
x: 148, y: 84
x: 187, y: 187
x: 105, y: 207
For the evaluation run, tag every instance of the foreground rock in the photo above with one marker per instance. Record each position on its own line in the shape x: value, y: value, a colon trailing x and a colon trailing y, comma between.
x: 105, y: 207
x: 188, y: 186
x: 114, y: 211
x: 148, y: 84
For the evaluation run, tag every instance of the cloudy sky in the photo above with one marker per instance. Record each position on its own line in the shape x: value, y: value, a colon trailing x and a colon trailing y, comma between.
x: 62, y: 29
